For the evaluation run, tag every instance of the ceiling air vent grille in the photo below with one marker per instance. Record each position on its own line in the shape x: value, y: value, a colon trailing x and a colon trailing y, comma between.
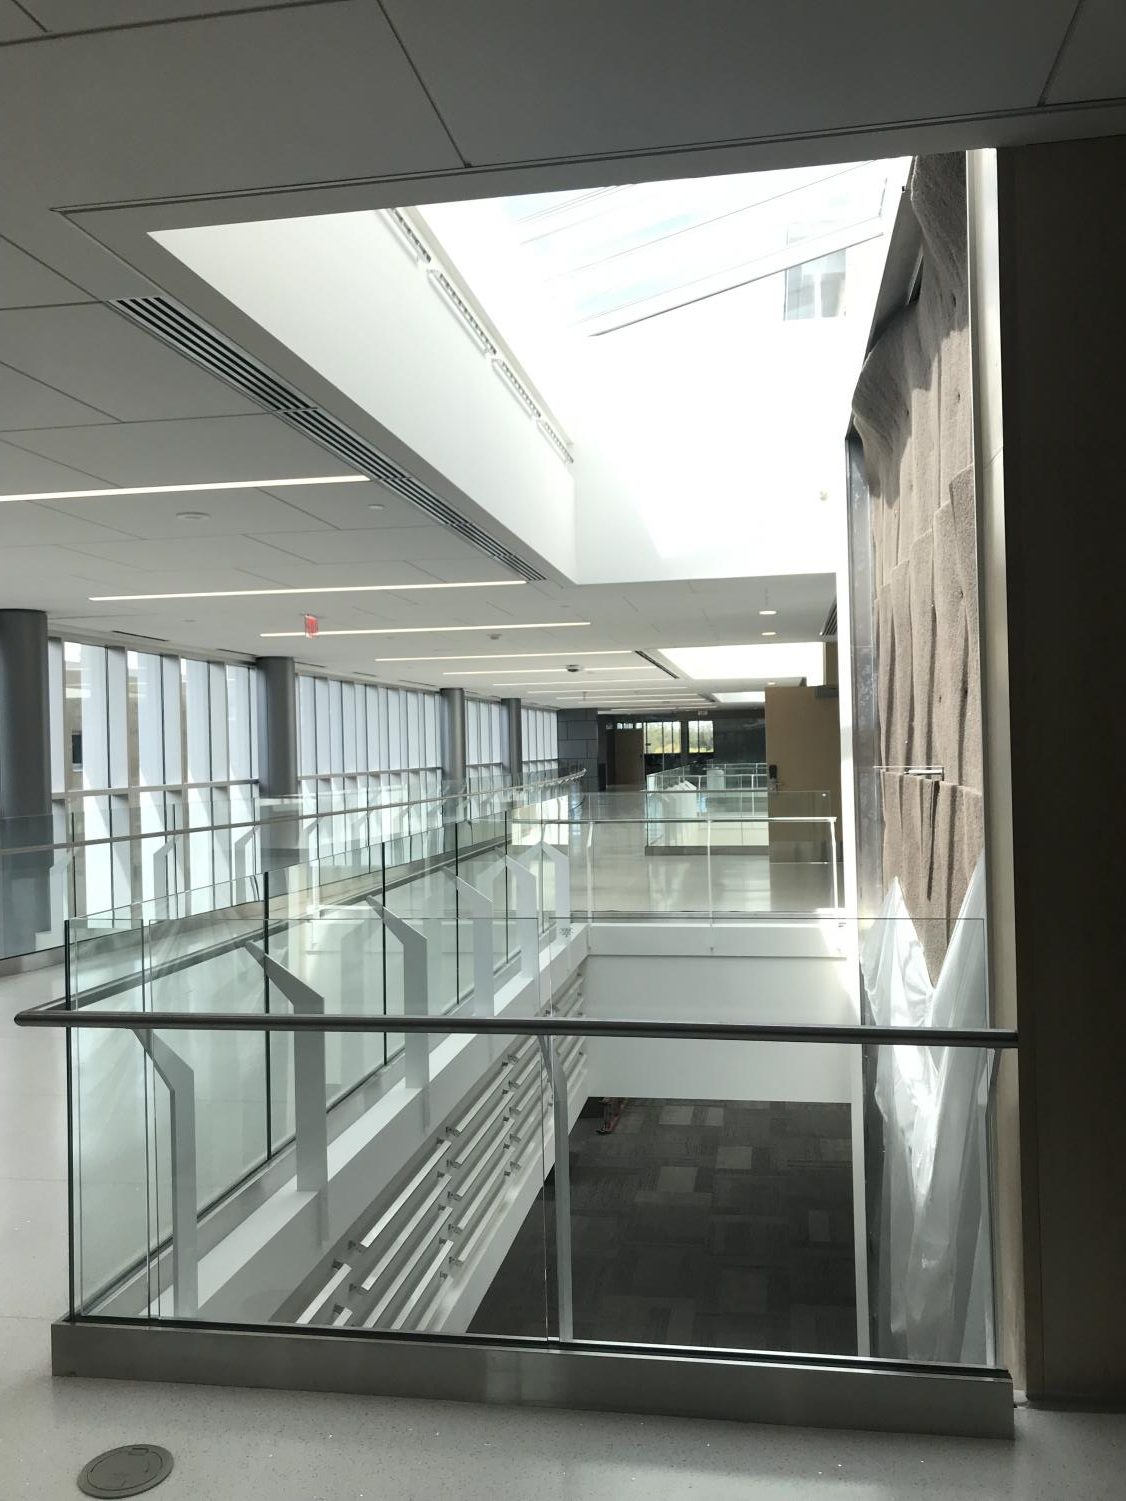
x: 205, y: 347
x: 829, y: 629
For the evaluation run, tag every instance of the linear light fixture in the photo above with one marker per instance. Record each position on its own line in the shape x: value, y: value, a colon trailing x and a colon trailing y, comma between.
x: 492, y: 672
x: 219, y: 484
x: 425, y: 630
x: 312, y: 589
x: 504, y: 672
x: 552, y: 683
x: 506, y: 656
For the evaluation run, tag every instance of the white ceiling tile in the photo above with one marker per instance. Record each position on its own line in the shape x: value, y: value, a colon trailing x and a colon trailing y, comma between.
x: 350, y: 507
x: 228, y: 512
x: 193, y: 451
x: 26, y: 403
x: 591, y: 78
x: 296, y: 94
x: 21, y: 472
x: 26, y: 282
x: 419, y: 544
x: 473, y: 567
x: 191, y: 557
x: 81, y: 15
x: 15, y: 24
x: 24, y: 524
x: 97, y: 356
x: 1093, y: 65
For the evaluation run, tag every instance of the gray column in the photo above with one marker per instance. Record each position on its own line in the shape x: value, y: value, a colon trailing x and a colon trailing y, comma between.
x: 277, y: 727
x: 25, y: 782
x: 1054, y: 474
x: 453, y: 736
x: 514, y: 713
x: 25, y: 739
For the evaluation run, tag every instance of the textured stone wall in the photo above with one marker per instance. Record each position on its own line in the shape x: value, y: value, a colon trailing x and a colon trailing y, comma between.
x: 912, y: 410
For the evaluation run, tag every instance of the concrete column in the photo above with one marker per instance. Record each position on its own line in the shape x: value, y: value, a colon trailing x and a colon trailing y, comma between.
x: 452, y: 727
x: 25, y: 739
x: 514, y: 716
x: 277, y: 727
x: 25, y: 781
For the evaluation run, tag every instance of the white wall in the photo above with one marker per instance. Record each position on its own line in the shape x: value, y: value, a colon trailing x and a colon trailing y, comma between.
x: 788, y: 973
x: 343, y: 294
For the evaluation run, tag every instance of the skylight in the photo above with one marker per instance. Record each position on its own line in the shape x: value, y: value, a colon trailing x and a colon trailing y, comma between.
x: 773, y: 660
x: 612, y: 256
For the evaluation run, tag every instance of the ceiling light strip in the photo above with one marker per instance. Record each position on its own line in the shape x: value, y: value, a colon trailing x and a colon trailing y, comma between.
x: 314, y: 589
x: 504, y: 656
x: 424, y: 630
x: 108, y: 491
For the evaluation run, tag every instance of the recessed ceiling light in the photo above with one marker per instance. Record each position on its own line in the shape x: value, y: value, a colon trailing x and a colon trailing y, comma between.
x: 220, y: 484
x: 427, y: 630
x: 770, y: 633
x: 497, y: 656
x: 751, y: 663
x: 768, y: 612
x: 193, y: 515
x: 376, y: 505
x: 309, y: 589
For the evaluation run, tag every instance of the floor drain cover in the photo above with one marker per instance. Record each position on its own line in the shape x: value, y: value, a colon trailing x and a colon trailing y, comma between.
x: 127, y: 1471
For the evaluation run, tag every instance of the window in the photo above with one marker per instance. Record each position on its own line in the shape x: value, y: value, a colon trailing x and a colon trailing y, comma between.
x: 541, y: 744
x: 701, y: 737
x: 486, y: 745
x: 662, y: 737
x: 367, y: 751
x: 815, y: 289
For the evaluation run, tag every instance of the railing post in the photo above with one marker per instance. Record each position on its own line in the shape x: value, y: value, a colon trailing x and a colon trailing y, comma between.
x: 162, y: 887
x: 239, y: 853
x: 524, y: 884
x: 561, y: 862
x: 179, y: 1080
x: 310, y: 1088
x: 416, y: 992
x: 561, y: 1133
x: 481, y: 910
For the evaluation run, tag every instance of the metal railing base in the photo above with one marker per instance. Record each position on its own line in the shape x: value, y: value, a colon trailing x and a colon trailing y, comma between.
x: 880, y: 1396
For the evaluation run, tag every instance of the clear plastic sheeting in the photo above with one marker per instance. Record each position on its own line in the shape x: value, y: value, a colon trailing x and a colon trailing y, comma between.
x: 933, y: 1264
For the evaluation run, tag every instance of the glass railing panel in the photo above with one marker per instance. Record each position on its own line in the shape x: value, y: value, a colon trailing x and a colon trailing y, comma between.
x: 723, y: 1195
x: 105, y: 954
x: 35, y: 890
x: 213, y: 962
x: 111, y: 1166
x: 395, y: 1230
x: 427, y: 902
x: 339, y: 954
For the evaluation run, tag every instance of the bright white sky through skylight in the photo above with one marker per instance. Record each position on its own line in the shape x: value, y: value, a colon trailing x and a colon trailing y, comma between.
x: 611, y: 254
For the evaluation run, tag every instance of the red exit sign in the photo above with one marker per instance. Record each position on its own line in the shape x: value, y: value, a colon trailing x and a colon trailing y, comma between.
x: 312, y: 625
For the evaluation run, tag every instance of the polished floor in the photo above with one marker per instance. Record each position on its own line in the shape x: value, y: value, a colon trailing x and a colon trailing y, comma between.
x: 301, y: 1447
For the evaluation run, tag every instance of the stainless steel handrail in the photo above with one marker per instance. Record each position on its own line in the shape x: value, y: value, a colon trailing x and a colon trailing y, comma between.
x: 281, y: 814
x: 57, y: 1014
